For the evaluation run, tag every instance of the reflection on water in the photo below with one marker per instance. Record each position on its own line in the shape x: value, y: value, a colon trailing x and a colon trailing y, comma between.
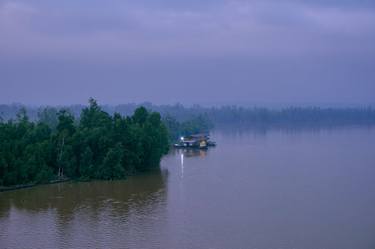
x: 70, y: 215
x: 274, y: 189
x: 188, y: 152
x: 191, y: 152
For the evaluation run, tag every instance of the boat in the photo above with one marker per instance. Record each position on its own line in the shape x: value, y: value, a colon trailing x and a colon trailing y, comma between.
x: 199, y: 141
x: 211, y: 143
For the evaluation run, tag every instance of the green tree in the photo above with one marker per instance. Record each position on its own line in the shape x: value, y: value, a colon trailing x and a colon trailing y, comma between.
x: 111, y: 167
x: 140, y: 115
x: 65, y: 130
x: 49, y: 117
x: 87, y: 166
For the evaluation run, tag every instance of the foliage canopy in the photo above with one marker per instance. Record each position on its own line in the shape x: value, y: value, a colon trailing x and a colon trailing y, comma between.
x: 97, y: 146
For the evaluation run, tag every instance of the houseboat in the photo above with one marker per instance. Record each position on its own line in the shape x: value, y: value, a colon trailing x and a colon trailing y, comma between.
x: 199, y: 141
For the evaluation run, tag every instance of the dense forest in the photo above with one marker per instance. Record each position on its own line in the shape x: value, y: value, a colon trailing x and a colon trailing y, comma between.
x: 96, y: 145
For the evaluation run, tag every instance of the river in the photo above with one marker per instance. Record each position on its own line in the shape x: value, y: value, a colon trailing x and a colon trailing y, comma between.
x: 275, y: 189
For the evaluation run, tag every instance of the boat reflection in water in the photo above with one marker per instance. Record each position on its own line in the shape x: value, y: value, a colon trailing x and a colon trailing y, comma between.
x: 191, y: 152
x: 183, y: 153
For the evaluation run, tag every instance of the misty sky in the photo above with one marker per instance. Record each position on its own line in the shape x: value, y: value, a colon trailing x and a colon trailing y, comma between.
x: 188, y: 51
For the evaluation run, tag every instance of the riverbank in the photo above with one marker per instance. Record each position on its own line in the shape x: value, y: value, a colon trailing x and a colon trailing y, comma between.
x: 66, y: 179
x: 21, y: 186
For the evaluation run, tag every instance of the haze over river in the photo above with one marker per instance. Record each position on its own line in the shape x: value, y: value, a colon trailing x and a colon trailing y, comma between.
x: 277, y: 189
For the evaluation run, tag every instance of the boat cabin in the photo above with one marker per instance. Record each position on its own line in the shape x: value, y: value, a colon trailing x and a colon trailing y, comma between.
x: 195, y: 141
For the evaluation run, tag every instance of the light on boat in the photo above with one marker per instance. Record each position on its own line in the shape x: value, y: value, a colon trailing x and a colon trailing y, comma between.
x: 182, y: 138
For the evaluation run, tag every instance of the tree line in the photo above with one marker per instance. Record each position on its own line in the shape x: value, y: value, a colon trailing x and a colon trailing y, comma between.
x: 227, y: 115
x: 96, y: 145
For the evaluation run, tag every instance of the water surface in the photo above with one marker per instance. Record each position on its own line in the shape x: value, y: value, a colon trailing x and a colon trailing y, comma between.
x: 278, y: 189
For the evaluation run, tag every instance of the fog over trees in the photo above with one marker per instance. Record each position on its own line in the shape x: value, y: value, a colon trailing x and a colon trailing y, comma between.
x: 207, y: 117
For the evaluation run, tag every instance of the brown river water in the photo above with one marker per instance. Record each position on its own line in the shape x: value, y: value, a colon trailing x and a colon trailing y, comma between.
x: 278, y: 189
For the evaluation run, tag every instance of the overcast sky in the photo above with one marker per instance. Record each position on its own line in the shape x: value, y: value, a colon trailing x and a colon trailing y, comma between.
x: 188, y: 51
